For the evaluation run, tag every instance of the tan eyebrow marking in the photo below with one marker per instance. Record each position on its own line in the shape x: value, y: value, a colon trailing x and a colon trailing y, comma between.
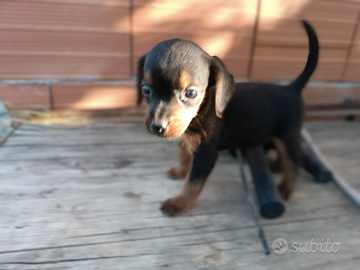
x: 185, y: 79
x: 148, y: 78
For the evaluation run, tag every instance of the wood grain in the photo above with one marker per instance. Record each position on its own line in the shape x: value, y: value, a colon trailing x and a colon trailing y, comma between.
x: 88, y: 199
x: 93, y: 96
x: 29, y: 94
x: 55, y: 39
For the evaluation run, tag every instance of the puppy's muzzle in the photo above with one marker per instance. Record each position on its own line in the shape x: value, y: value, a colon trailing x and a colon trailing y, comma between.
x: 158, y: 128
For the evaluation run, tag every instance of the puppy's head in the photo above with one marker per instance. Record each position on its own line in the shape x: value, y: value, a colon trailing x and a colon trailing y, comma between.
x: 174, y: 77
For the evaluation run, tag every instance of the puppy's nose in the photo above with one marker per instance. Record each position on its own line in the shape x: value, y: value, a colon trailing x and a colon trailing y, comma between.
x: 159, y: 128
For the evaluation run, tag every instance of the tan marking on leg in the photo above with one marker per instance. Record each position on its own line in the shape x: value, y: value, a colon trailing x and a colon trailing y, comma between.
x: 191, y: 141
x: 185, y: 80
x: 188, y: 145
x: 183, y: 168
x: 180, y: 204
x: 274, y: 160
x: 272, y: 155
x: 148, y: 78
x: 287, y: 186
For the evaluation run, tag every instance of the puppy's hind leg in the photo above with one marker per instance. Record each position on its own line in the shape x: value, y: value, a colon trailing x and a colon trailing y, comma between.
x: 289, y: 155
x: 273, y: 157
x: 180, y: 171
x: 274, y: 160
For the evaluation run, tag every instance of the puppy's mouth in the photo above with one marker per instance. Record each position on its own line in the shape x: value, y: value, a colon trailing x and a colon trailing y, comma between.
x: 172, y: 128
x: 170, y: 131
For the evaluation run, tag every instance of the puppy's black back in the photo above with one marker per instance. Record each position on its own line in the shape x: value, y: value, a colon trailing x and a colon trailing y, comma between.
x: 259, y: 111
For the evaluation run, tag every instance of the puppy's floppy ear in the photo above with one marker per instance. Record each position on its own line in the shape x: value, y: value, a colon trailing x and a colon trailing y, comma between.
x: 139, y: 77
x: 224, y: 83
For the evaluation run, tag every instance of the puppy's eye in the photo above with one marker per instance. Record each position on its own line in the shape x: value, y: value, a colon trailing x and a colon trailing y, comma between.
x: 191, y: 94
x: 146, y: 90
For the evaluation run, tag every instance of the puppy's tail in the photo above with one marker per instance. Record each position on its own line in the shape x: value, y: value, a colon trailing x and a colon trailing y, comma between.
x: 298, y: 84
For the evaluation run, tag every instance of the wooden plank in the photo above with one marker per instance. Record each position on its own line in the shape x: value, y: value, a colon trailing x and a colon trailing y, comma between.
x: 196, y: 249
x: 114, y: 135
x: 227, y: 34
x: 92, y: 96
x: 235, y: 55
x: 64, y: 66
x: 224, y: 19
x: 29, y: 94
x: 289, y: 32
x: 322, y: 94
x: 352, y: 69
x: 88, y: 198
x: 275, y: 63
x: 27, y: 42
x: 280, y: 28
x: 109, y: 3
x: 340, y: 143
x: 333, y: 21
x: 65, y: 40
x: 245, y: 6
x: 352, y: 72
x: 56, y: 15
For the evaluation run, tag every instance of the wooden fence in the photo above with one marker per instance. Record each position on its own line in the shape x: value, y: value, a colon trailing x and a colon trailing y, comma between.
x: 81, y: 54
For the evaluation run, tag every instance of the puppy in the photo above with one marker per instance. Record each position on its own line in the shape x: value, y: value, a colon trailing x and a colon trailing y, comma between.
x: 192, y: 97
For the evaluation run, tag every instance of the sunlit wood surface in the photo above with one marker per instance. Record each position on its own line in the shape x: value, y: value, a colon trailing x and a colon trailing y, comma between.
x: 89, y: 199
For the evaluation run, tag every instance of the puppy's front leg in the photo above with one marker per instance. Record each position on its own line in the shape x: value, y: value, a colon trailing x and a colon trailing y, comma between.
x: 204, y: 158
x: 182, y: 169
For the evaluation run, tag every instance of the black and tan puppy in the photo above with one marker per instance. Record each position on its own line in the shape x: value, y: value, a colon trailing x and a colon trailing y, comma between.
x: 192, y: 96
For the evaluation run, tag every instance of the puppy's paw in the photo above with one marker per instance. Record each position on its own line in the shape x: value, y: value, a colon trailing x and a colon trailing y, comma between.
x: 174, y: 207
x: 286, y: 190
x: 176, y: 173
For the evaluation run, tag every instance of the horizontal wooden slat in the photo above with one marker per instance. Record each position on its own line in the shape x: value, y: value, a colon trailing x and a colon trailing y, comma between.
x: 355, y: 54
x: 357, y: 35
x: 280, y: 37
x: 48, y: 42
x: 352, y: 73
x: 63, y: 66
x: 174, y: 20
x: 108, y: 96
x: 63, y: 16
x: 334, y: 22
x: 233, y: 50
x: 274, y: 63
x: 107, y: 3
x: 54, y: 39
x: 243, y: 5
x: 88, y: 96
x: 323, y: 94
x: 29, y: 94
x: 223, y: 29
x: 289, y: 32
x: 238, y: 67
x: 221, y: 44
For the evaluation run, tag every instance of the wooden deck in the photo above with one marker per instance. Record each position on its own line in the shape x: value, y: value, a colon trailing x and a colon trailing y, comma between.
x: 89, y: 199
